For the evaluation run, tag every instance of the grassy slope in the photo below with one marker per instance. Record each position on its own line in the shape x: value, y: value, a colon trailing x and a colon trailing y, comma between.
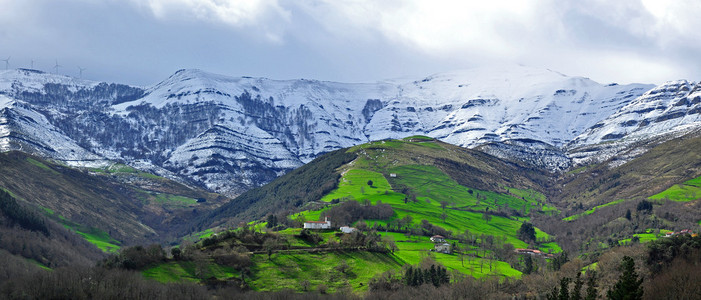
x: 424, y: 169
x: 661, y: 167
x: 95, y: 236
x: 431, y: 186
x: 176, y: 271
x: 93, y: 204
x: 688, y: 191
x: 433, y: 172
x: 288, y: 270
x: 591, y: 210
x: 290, y: 191
x: 667, y: 170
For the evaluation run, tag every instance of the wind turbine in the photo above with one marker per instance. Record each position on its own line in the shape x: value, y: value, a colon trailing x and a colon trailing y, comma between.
x: 81, y: 71
x: 57, y: 66
x: 7, y: 62
x: 32, y: 65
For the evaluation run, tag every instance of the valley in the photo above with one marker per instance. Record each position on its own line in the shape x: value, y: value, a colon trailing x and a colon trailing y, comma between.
x: 206, y: 181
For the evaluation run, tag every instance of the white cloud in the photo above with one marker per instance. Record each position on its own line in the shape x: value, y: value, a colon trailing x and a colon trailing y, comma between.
x: 267, y: 16
x: 640, y: 36
x: 437, y: 27
x: 361, y: 40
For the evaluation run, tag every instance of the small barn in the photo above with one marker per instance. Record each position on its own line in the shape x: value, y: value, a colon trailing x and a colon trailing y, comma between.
x: 346, y: 229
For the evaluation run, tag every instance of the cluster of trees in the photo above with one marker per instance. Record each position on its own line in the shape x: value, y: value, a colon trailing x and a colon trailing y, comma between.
x: 136, y: 258
x: 563, y: 292
x: 371, y: 241
x: 310, y: 236
x: 675, y: 265
x: 428, y: 229
x: 348, y: 212
x: 612, y: 223
x: 436, y: 275
x: 20, y: 215
x: 526, y: 232
x: 390, y: 285
x: 663, y: 251
x: 628, y: 287
x: 245, y: 236
x: 406, y: 225
x: 77, y: 282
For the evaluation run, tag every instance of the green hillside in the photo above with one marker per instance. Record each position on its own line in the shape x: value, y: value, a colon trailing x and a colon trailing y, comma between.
x: 688, y: 191
x: 396, y: 193
x: 101, y: 210
x: 602, y: 204
x: 404, y: 192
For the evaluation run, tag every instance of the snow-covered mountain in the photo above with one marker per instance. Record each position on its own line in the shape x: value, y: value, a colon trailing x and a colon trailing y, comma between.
x: 232, y: 133
x: 666, y: 111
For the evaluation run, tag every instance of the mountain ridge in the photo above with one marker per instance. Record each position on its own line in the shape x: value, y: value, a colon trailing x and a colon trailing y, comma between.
x: 229, y: 134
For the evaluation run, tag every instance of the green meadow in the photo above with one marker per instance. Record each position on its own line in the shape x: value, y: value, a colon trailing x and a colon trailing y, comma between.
x: 95, y: 236
x: 463, y: 210
x: 591, y: 210
x: 177, y: 271
x: 288, y: 270
x: 684, y: 192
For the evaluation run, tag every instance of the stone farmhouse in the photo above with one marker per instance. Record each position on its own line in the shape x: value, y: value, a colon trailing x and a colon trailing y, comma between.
x: 443, y: 248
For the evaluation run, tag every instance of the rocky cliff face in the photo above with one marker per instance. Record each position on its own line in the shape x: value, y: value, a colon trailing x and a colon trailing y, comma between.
x: 232, y: 133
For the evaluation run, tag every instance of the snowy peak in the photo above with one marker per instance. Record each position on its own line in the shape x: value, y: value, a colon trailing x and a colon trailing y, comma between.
x: 668, y: 108
x: 474, y: 107
x: 233, y: 133
x: 662, y: 113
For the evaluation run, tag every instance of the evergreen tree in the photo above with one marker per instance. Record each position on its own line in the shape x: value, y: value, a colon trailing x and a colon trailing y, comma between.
x: 526, y: 232
x: 434, y: 276
x: 445, y: 279
x: 272, y: 221
x: 418, y: 277
x: 409, y: 276
x: 560, y: 260
x: 427, y: 277
x: 528, y: 262
x: 577, y: 290
x: 592, y: 293
x: 628, y: 287
x: 564, y: 293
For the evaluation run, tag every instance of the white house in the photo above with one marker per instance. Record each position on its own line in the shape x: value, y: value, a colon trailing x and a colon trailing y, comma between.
x: 438, y: 239
x: 326, y: 224
x: 346, y: 229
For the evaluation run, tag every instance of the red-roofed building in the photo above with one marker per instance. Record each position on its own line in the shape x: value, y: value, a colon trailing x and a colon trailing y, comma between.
x: 326, y: 224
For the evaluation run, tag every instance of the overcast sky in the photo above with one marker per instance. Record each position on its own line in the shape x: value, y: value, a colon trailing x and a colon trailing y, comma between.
x: 144, y: 41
